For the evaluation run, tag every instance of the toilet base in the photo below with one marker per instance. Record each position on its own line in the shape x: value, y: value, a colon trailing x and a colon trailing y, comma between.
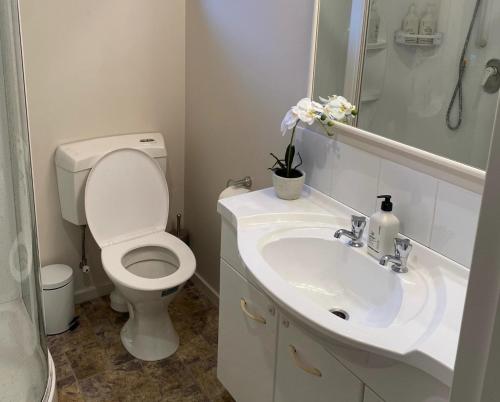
x: 149, y: 333
x: 118, y: 303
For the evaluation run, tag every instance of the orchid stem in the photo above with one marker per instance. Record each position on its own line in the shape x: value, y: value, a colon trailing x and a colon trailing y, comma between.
x: 289, y: 156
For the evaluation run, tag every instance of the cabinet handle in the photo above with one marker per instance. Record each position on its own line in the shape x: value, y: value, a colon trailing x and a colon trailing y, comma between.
x: 302, y: 366
x: 255, y: 317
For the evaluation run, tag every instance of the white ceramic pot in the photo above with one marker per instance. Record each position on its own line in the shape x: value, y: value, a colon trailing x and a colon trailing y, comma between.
x: 288, y: 188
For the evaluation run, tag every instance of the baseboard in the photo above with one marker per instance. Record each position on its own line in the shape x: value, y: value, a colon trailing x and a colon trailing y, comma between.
x: 93, y: 292
x: 205, y: 288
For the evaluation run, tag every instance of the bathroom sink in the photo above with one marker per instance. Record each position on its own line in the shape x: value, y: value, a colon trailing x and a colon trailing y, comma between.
x: 340, y: 292
x: 343, y: 281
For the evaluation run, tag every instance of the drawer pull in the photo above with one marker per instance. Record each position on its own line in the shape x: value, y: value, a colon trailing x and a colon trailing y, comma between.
x: 255, y: 317
x: 302, y: 366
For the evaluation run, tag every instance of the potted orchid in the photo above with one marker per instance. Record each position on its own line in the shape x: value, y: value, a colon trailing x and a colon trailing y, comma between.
x: 288, y: 180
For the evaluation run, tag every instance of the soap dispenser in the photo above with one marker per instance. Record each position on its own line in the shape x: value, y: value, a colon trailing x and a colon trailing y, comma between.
x: 384, y: 227
x: 411, y: 23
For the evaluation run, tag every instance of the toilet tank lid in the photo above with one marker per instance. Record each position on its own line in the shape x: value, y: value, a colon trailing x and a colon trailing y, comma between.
x: 56, y: 276
x: 82, y: 155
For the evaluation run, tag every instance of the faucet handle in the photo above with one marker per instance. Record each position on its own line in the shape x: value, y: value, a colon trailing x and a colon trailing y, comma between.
x: 402, y: 247
x: 358, y: 225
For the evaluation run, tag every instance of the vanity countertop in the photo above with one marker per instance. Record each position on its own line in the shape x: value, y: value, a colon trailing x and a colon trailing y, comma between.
x: 289, y: 250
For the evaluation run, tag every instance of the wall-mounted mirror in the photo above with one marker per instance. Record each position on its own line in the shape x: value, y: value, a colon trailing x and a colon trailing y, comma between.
x: 427, y: 71
x: 332, y: 47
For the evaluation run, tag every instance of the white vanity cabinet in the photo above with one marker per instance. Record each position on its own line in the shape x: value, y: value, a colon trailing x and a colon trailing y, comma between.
x: 282, y: 253
x: 266, y: 356
x: 247, y: 339
x: 306, y: 372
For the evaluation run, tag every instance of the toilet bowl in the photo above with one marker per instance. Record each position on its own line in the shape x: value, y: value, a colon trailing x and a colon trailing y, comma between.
x: 126, y: 204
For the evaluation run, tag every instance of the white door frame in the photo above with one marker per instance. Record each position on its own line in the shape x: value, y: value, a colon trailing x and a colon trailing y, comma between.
x: 477, y: 368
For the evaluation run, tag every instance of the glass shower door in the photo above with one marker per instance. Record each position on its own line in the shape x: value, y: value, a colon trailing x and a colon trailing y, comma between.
x: 23, y: 352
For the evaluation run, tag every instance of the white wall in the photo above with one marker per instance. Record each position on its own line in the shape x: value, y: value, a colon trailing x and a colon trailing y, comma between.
x: 478, y: 357
x: 432, y: 212
x: 240, y: 81
x: 247, y: 63
x: 96, y: 68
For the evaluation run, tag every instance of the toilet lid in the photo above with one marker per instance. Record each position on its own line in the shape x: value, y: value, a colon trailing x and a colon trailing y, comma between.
x: 126, y: 196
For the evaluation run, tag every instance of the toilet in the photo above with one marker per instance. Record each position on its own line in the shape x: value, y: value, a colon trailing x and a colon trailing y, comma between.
x: 126, y: 204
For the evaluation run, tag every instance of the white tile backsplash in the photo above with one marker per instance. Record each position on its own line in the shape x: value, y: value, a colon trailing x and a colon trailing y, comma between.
x: 414, y: 196
x: 355, y: 178
x: 455, y: 222
x: 317, y: 153
x: 434, y: 213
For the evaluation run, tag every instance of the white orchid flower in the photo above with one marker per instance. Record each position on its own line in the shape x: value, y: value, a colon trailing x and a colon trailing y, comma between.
x: 306, y: 111
x: 338, y: 108
x: 289, y: 121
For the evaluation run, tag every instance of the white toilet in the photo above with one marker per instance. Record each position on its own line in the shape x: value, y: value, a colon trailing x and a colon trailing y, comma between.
x: 126, y: 205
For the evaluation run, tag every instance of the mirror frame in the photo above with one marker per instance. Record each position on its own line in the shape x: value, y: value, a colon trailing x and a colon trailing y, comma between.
x: 437, y: 166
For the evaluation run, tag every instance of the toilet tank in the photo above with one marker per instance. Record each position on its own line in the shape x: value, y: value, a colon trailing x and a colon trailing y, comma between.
x: 75, y: 160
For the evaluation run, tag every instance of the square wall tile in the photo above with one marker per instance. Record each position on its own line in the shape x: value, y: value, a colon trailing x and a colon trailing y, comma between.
x: 355, y: 177
x: 316, y: 151
x: 414, y: 196
x: 455, y: 223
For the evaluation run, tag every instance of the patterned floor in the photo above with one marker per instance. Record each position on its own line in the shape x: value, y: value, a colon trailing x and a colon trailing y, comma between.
x: 92, y: 365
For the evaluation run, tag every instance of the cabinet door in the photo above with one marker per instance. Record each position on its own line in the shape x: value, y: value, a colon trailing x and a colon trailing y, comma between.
x: 306, y: 372
x: 371, y: 396
x: 247, y: 339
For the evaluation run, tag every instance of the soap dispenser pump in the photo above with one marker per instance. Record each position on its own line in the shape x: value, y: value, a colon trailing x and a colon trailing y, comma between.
x: 383, y: 229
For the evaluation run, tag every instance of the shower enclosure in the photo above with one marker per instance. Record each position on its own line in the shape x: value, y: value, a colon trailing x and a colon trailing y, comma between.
x: 25, y: 366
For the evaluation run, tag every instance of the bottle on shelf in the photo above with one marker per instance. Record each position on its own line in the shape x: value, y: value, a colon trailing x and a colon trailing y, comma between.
x: 411, y: 23
x: 373, y: 23
x: 428, y: 25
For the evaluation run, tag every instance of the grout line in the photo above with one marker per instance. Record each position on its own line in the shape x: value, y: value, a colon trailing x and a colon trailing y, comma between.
x: 436, y: 196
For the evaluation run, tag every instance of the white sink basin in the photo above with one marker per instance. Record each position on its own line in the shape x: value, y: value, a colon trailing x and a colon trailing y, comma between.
x: 288, y: 248
x: 336, y: 277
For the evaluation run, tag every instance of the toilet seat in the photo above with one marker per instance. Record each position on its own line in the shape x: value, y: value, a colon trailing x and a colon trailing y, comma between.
x: 126, y: 203
x: 112, y: 260
x: 126, y: 196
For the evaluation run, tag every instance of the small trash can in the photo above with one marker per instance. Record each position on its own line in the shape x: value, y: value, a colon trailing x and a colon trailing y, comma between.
x: 57, y: 295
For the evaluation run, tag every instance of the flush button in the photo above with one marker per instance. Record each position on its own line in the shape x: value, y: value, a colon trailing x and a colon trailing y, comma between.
x: 147, y: 140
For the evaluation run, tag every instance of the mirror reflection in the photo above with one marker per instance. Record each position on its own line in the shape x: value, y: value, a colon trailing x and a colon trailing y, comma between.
x: 430, y: 75
x: 331, y: 47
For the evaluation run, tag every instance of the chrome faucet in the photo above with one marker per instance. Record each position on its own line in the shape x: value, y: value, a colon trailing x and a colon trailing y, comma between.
x: 358, y: 224
x: 399, y: 260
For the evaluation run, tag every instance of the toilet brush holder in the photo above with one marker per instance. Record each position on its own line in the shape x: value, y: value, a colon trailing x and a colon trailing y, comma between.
x: 179, y: 232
